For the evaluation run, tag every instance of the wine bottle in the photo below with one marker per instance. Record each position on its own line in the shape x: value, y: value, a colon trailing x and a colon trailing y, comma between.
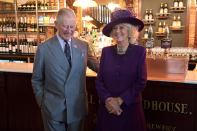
x: 174, y: 23
x: 10, y: 25
x: 1, y: 45
x: 20, y: 25
x: 46, y: 5
x: 28, y: 25
x: 1, y: 25
x: 32, y: 24
x: 146, y: 33
x: 150, y: 16
x: 25, y: 25
x: 180, y: 4
x: 42, y: 5
x: 166, y: 9
x: 6, y: 46
x: 10, y: 45
x: 13, y: 46
x: 161, y: 11
x: 4, y: 25
x: 164, y: 26
x: 176, y: 4
x: 160, y: 28
x: 35, y: 26
x: 178, y: 22
x: 146, y: 16
x: 7, y: 25
x: 13, y: 25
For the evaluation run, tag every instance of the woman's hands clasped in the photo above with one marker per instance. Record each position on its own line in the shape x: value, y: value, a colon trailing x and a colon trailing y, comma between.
x: 113, y: 105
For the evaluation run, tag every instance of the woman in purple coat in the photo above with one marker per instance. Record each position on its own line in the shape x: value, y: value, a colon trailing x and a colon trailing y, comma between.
x: 122, y: 76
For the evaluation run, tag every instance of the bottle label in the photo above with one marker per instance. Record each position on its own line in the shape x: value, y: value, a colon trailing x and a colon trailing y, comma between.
x: 174, y: 23
x: 146, y: 17
x: 13, y: 49
x: 165, y: 10
x: 14, y: 29
x: 175, y: 4
x: 150, y: 17
x: 180, y: 4
x: 178, y: 23
x: 6, y: 50
x: 160, y: 29
x: 161, y: 10
x: 10, y: 47
x: 145, y: 35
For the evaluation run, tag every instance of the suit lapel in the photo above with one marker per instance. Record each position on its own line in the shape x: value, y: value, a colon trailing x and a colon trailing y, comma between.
x: 76, y: 58
x: 56, y: 50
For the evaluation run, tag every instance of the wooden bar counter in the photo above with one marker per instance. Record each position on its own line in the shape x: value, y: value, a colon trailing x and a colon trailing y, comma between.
x: 169, y: 104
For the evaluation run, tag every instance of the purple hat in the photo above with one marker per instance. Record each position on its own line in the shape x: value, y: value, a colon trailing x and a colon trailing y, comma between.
x: 122, y: 16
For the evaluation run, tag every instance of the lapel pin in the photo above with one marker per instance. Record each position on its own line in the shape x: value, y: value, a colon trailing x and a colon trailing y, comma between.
x: 75, y: 46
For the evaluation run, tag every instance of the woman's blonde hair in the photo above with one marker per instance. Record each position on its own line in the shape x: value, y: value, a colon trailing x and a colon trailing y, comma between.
x: 132, y: 31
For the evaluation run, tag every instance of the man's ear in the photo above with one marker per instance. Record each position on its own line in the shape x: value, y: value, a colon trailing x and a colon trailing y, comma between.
x: 56, y: 25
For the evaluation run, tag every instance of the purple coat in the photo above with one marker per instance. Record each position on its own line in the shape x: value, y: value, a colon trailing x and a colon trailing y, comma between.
x: 124, y: 77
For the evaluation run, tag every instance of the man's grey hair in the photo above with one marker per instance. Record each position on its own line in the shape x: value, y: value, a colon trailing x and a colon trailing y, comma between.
x: 64, y: 12
x: 132, y: 30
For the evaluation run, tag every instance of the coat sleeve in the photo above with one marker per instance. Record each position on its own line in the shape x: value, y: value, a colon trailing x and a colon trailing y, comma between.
x: 131, y: 93
x: 93, y: 63
x: 102, y: 92
x: 38, y: 77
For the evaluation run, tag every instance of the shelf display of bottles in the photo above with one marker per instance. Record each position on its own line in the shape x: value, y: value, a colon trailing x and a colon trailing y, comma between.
x: 178, y: 6
x: 7, y: 25
x: 176, y: 23
x: 27, y: 25
x: 30, y: 5
x: 9, y: 45
x: 148, y: 19
x: 163, y: 11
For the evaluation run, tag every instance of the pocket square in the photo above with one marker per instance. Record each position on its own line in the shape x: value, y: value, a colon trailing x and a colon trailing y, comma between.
x: 83, y: 53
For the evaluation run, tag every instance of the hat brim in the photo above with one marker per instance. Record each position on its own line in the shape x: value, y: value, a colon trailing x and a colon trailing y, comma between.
x: 136, y: 22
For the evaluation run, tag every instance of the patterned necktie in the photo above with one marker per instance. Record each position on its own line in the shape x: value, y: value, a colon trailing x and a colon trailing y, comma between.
x: 67, y: 52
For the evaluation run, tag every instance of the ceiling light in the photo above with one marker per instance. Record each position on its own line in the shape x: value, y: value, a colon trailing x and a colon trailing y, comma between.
x: 87, y: 18
x: 85, y: 3
x: 112, y: 6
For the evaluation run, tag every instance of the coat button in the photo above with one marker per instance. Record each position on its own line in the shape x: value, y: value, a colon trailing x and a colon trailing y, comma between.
x: 116, y: 73
x: 118, y: 66
x: 115, y: 89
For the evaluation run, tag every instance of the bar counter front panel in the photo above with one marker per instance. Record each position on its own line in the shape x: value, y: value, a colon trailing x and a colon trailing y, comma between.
x: 168, y: 105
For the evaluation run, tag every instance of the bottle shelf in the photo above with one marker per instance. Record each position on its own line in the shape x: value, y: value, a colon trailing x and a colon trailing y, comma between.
x: 26, y: 11
x: 177, y: 11
x: 7, y: 12
x: 162, y: 17
x: 159, y: 34
x: 45, y: 11
x: 7, y: 32
x: 176, y: 29
x: 27, y: 32
x: 145, y: 38
x: 148, y: 23
x: 47, y: 25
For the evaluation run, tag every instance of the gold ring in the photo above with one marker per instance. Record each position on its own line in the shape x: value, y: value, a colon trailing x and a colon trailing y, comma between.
x: 109, y: 109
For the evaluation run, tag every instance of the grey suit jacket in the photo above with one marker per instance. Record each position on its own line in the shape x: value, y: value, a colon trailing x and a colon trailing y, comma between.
x: 60, y: 90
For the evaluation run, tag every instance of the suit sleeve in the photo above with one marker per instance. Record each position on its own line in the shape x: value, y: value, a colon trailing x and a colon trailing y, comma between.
x: 131, y: 93
x: 102, y: 92
x: 38, y: 76
x: 93, y: 63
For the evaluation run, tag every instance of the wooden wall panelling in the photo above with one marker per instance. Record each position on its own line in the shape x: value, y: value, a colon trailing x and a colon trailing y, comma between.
x: 147, y: 98
x: 188, y: 116
x: 195, y: 41
x: 25, y: 101
x: 167, y: 98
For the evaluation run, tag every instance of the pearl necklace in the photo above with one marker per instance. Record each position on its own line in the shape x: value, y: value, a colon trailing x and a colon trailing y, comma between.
x: 122, y: 50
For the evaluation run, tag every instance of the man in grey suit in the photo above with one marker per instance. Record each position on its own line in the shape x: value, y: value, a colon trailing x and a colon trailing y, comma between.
x: 59, y: 76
